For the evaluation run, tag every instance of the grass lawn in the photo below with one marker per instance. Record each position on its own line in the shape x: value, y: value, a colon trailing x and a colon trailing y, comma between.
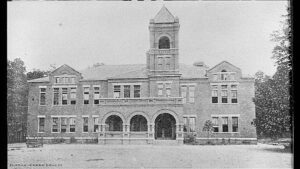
x: 148, y: 156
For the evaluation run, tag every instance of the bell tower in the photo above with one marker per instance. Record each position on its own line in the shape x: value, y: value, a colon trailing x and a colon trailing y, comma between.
x: 162, y: 57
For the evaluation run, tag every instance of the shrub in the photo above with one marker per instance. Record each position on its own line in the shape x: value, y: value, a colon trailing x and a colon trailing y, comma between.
x: 189, y: 139
x: 58, y: 140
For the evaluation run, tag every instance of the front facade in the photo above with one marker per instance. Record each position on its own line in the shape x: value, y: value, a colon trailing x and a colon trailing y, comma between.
x: 130, y: 104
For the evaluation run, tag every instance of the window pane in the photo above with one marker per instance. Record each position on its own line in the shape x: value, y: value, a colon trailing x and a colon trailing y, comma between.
x: 234, y: 124
x: 43, y: 99
x: 126, y: 91
x: 225, y: 124
x: 117, y: 90
x: 56, y: 96
x: 215, y: 124
x: 185, y: 124
x: 137, y: 91
x: 85, y: 124
x: 223, y: 86
x: 64, y: 96
x: 41, y: 124
x: 192, y: 124
x: 168, y: 92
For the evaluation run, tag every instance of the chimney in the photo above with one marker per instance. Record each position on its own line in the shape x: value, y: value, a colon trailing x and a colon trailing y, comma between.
x: 199, y: 64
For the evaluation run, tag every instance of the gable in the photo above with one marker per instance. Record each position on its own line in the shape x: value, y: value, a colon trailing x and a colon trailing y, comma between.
x: 228, y: 67
x: 64, y: 70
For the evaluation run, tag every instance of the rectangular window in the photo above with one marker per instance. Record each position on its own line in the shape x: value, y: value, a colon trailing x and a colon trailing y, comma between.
x: 232, y: 76
x: 96, y: 95
x: 85, y: 124
x: 42, y: 96
x: 192, y: 124
x: 55, y: 123
x: 117, y: 91
x: 224, y: 96
x: 64, y: 99
x: 63, y: 128
x: 96, y: 124
x: 160, y: 89
x: 191, y: 94
x: 137, y: 91
x: 72, y: 124
x: 233, y: 96
x: 235, y: 124
x: 214, y: 94
x: 168, y: 89
x: 183, y: 93
x: 224, y: 76
x: 126, y: 91
x: 215, y: 77
x: 86, y: 94
x: 72, y: 79
x: 225, y: 124
x: 185, y: 124
x: 160, y: 63
x: 41, y: 124
x: 57, y: 80
x: 55, y: 96
x: 167, y: 62
x: 215, y: 124
x: 73, y: 95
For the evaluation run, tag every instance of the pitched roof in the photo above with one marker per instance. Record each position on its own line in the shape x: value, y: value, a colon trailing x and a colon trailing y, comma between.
x: 105, y: 72
x: 164, y: 16
x: 222, y: 63
x: 43, y: 79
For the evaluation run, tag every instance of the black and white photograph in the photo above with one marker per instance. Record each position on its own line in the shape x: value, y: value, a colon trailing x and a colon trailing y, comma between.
x: 149, y: 84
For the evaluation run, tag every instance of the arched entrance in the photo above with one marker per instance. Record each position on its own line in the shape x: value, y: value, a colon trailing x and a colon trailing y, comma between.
x: 165, y: 127
x: 114, y: 123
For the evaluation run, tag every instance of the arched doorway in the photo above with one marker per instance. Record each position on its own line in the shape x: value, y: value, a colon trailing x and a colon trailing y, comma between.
x: 114, y: 123
x: 165, y: 127
x: 138, y: 123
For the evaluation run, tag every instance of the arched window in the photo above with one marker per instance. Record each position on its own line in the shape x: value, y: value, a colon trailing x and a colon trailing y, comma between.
x: 114, y: 123
x: 138, y: 123
x: 164, y: 43
x: 223, y: 70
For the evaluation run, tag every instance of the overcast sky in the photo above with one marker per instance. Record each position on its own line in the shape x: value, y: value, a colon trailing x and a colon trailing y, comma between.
x: 83, y: 33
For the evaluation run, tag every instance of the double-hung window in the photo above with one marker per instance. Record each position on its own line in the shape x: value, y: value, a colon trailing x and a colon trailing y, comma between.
x: 224, y: 94
x: 224, y: 124
x: 85, y: 124
x: 86, y: 94
x: 63, y: 128
x: 183, y: 93
x: 73, y: 95
x: 126, y: 91
x: 185, y: 124
x: 42, y: 96
x: 96, y: 124
x: 117, y: 91
x: 191, y: 94
x: 214, y: 94
x: 235, y: 124
x: 234, y: 94
x: 96, y: 95
x: 160, y: 63
x: 192, y: 124
x: 168, y: 89
x: 215, y: 124
x: 137, y: 91
x: 72, y: 124
x: 41, y: 124
x: 55, y: 124
x: 55, y: 96
x: 160, y: 89
x: 64, y: 99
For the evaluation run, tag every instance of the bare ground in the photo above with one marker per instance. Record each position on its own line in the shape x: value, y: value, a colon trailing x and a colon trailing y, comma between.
x: 148, y: 156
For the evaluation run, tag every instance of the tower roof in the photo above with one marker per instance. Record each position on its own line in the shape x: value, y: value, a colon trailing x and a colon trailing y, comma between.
x: 164, y: 16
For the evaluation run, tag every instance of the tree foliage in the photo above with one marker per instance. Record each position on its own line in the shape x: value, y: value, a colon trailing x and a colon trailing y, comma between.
x: 274, y: 118
x: 17, y: 91
x: 208, y: 127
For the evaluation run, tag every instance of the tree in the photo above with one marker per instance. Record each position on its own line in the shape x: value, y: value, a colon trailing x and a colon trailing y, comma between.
x: 208, y: 127
x: 272, y: 94
x: 17, y: 90
x: 36, y: 73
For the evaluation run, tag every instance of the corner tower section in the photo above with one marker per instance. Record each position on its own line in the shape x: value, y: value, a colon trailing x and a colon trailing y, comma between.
x: 162, y: 58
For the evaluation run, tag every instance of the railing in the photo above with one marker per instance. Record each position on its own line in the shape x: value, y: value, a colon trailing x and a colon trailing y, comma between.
x: 137, y: 101
x: 163, y: 51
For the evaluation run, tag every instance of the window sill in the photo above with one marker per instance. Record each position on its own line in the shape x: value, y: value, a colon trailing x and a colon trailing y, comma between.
x: 225, y: 103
